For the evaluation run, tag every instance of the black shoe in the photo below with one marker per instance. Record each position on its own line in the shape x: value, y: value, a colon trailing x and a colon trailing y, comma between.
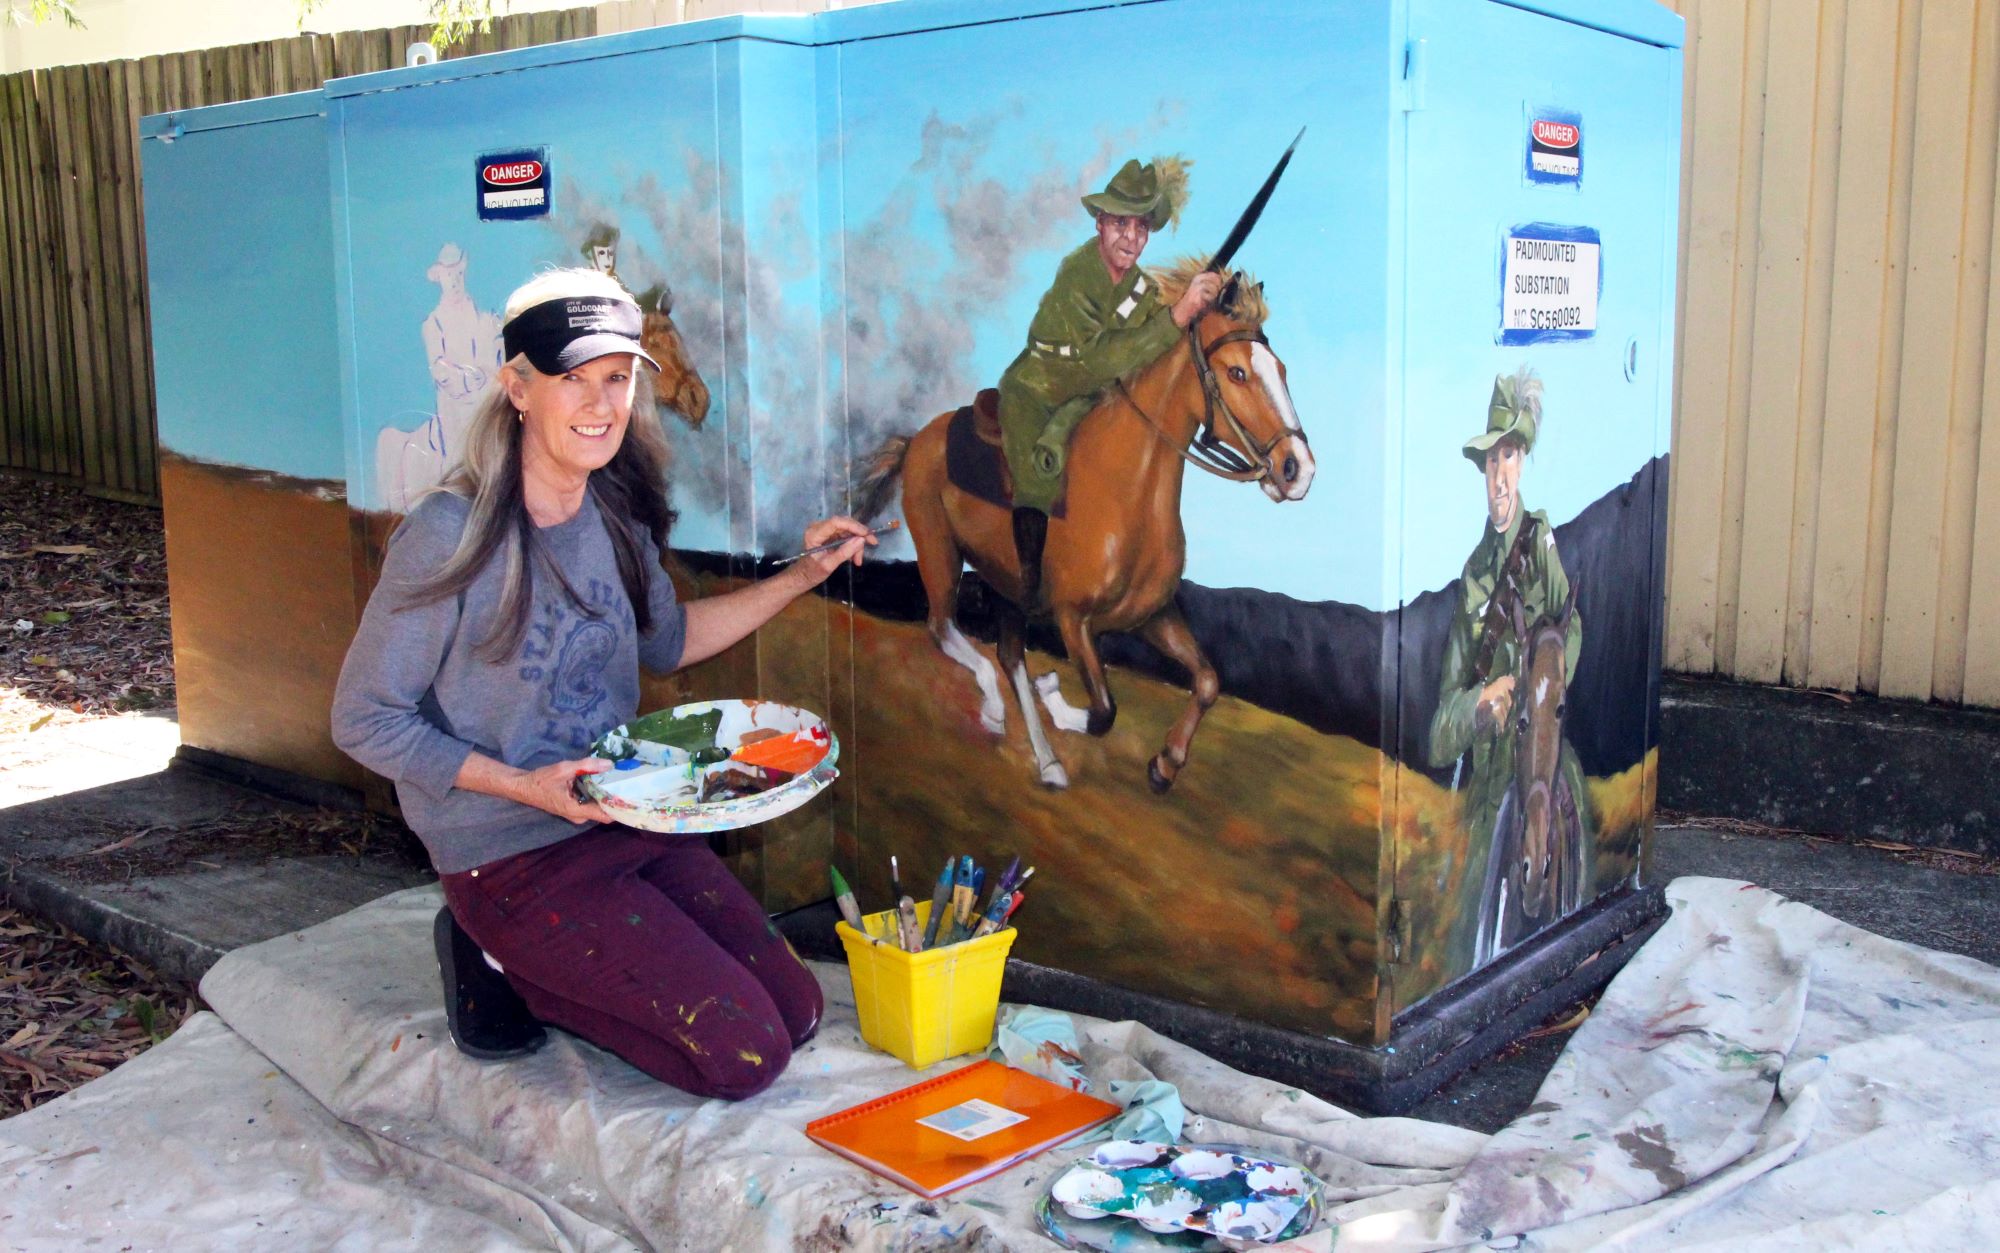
x: 1031, y: 534
x: 488, y: 1018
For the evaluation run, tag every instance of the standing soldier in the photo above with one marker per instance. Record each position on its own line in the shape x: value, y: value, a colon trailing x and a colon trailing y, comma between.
x: 1101, y: 319
x: 1514, y: 575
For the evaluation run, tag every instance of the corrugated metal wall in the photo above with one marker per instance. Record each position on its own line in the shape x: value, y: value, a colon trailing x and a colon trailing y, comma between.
x: 1836, y: 513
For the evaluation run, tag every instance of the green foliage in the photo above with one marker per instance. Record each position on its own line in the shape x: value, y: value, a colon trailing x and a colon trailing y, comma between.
x: 452, y: 20
x: 36, y: 12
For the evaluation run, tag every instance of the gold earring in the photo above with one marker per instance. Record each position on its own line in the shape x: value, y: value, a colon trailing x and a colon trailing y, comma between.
x: 520, y: 415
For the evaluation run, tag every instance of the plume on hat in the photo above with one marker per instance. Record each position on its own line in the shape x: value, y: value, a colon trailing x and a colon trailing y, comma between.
x: 1172, y: 173
x: 1523, y: 392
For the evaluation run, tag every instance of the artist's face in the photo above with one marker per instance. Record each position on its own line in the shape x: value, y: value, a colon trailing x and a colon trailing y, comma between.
x: 575, y: 421
x: 1503, y: 483
x: 603, y: 259
x: 1120, y: 240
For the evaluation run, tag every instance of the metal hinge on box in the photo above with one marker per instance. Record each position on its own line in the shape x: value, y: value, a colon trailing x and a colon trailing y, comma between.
x: 1399, y: 929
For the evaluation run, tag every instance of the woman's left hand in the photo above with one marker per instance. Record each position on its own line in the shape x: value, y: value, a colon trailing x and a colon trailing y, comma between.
x: 818, y: 566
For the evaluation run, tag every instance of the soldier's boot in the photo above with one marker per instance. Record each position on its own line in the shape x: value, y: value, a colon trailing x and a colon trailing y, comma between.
x: 1031, y: 535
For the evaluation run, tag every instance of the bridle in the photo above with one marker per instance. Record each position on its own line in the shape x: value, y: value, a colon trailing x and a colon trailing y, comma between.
x: 1208, y: 451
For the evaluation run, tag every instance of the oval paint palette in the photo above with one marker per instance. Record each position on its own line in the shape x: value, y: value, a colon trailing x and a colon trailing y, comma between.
x: 712, y: 766
x: 1132, y: 1196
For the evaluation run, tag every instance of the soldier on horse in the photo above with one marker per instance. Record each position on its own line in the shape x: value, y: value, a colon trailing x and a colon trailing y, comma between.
x: 1100, y: 320
x: 1513, y: 582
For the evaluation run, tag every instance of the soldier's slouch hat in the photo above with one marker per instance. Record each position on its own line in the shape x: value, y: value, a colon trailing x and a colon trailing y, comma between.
x: 1154, y: 191
x: 1516, y: 410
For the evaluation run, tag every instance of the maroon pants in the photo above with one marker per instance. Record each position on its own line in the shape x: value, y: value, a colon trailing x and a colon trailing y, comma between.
x: 649, y: 947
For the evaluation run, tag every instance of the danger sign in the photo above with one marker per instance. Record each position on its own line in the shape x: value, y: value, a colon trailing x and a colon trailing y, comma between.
x: 1555, y: 148
x: 513, y: 184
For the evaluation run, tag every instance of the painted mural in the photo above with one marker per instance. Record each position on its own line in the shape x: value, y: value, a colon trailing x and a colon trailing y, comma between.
x: 1218, y: 598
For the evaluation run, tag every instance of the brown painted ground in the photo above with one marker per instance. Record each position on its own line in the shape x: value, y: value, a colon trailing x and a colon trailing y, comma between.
x: 1127, y: 885
x: 1432, y: 870
x: 262, y: 579
x: 1250, y: 887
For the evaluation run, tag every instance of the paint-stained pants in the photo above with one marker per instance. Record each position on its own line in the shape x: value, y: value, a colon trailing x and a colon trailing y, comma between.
x: 649, y: 947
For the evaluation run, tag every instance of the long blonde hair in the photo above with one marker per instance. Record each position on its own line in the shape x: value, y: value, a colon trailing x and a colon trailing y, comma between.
x: 631, y: 492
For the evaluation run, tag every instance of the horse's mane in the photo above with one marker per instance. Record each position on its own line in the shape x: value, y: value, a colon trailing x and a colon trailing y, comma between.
x: 1174, y: 279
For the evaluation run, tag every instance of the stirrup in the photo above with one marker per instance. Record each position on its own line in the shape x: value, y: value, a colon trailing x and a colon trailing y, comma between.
x: 487, y: 1017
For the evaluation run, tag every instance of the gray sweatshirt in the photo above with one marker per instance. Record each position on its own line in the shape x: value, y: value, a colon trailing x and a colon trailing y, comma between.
x: 413, y: 701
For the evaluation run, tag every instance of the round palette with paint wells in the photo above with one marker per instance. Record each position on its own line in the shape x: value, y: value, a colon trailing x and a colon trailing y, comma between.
x: 1136, y: 1196
x: 711, y: 766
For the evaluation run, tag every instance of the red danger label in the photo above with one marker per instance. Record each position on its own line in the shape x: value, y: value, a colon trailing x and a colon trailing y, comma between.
x: 1557, y: 134
x: 515, y: 173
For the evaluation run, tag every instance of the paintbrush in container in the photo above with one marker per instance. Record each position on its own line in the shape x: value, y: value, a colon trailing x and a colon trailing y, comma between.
x: 940, y: 903
x: 894, y: 525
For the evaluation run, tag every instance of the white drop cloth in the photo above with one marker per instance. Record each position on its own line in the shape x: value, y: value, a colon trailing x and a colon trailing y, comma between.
x: 1760, y: 1076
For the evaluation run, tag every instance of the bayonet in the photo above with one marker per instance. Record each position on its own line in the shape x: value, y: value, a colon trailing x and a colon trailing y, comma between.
x: 1241, y: 231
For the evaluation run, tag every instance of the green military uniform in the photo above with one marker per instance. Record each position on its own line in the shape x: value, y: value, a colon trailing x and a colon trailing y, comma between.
x: 1088, y: 332
x: 1543, y: 590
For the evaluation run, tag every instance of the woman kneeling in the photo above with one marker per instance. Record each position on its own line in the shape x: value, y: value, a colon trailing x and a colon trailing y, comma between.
x: 515, y: 607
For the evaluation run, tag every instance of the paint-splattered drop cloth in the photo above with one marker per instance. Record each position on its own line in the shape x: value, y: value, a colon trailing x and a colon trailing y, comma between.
x: 1760, y: 1077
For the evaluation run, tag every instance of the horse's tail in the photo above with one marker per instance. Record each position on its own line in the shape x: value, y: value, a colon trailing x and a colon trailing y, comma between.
x: 876, y: 485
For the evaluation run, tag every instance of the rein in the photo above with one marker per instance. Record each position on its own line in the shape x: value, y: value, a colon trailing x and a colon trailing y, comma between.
x: 1208, y: 451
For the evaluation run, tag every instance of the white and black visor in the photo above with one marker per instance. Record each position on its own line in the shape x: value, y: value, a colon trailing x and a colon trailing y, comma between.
x: 559, y: 335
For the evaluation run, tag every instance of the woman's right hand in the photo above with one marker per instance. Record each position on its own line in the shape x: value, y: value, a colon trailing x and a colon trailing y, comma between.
x: 552, y: 788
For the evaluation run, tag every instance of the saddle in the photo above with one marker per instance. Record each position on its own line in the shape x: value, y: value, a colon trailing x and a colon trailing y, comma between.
x: 973, y: 459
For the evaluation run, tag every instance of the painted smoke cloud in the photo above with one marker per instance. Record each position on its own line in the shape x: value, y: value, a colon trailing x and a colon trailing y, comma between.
x: 914, y: 309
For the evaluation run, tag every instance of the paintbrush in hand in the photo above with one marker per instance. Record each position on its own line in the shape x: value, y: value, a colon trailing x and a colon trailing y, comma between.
x: 894, y: 525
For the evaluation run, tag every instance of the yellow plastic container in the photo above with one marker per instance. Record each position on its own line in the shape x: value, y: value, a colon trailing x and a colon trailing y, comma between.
x: 923, y: 1007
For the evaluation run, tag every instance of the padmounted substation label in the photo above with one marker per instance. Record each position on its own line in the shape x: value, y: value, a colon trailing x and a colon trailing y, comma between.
x: 1550, y: 279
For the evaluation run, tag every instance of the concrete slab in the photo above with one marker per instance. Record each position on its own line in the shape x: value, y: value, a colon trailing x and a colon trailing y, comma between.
x: 180, y: 921
x: 1848, y: 765
x: 66, y: 757
x: 182, y: 924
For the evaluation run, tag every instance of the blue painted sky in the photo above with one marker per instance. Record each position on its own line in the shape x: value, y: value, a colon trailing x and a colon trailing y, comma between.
x: 934, y: 176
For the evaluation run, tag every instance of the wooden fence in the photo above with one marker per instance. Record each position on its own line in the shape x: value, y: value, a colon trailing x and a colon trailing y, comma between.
x: 76, y: 379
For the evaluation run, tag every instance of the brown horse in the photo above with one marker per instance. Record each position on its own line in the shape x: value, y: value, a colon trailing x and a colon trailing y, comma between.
x: 1535, y: 870
x: 1114, y: 559
x: 678, y: 386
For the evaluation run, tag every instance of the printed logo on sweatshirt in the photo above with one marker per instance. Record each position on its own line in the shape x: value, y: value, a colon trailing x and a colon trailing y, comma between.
x: 567, y: 653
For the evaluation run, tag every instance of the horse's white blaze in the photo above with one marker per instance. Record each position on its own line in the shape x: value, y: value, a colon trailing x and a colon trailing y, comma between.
x: 992, y: 708
x: 1065, y: 716
x: 1541, y: 689
x: 1046, y: 762
x: 1264, y: 363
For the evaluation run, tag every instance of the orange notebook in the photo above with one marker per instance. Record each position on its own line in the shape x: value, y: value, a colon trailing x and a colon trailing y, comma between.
x: 960, y: 1127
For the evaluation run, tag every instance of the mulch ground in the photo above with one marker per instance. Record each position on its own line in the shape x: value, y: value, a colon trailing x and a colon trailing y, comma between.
x: 84, y: 634
x: 84, y: 629
x: 70, y: 1011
